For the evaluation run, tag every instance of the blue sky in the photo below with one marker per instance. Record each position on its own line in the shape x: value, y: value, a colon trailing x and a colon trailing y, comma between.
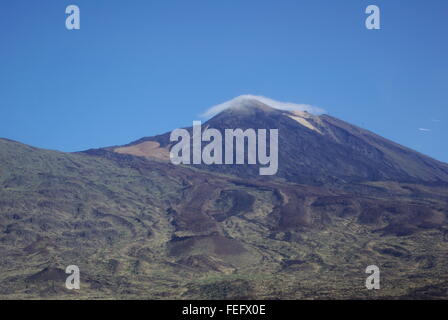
x: 139, y: 68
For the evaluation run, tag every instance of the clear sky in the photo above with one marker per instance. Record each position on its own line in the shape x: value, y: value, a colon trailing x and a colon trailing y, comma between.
x: 142, y: 67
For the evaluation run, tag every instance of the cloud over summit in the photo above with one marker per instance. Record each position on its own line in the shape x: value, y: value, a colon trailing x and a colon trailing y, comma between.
x: 240, y: 101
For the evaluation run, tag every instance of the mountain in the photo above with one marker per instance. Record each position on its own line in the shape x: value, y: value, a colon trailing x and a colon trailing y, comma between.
x: 140, y: 227
x: 316, y: 150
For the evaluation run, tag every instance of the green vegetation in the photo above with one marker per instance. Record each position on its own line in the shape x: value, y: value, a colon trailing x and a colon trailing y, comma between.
x: 145, y: 229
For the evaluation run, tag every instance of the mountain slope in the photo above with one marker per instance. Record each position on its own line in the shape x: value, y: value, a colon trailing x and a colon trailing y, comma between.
x: 317, y: 150
x: 140, y: 227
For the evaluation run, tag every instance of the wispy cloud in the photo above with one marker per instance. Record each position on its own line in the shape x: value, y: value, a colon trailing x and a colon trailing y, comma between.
x: 424, y: 129
x: 240, y: 101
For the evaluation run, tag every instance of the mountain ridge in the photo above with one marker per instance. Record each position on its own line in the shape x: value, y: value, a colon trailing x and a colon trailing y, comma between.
x: 307, y: 139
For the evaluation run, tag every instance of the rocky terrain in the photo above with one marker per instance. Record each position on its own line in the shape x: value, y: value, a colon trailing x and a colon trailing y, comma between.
x: 140, y: 227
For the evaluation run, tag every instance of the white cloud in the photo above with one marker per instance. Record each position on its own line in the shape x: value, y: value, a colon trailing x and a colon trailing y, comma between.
x: 238, y: 102
x: 424, y: 129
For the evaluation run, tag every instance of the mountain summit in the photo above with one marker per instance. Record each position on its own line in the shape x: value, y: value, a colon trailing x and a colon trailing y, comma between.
x: 313, y: 149
x: 251, y: 101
